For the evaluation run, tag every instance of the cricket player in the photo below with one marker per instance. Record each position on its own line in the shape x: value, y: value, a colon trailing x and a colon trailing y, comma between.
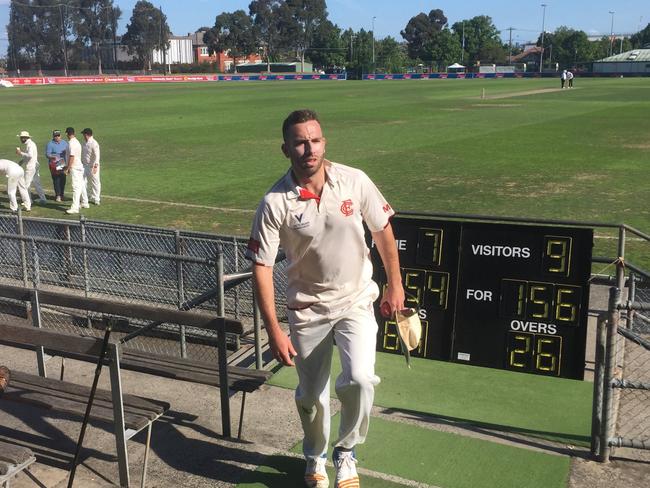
x: 90, y: 158
x: 76, y: 169
x: 15, y: 181
x: 316, y: 213
x: 30, y: 160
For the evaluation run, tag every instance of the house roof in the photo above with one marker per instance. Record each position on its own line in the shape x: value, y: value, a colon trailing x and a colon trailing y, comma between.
x: 635, y: 55
x: 528, y: 52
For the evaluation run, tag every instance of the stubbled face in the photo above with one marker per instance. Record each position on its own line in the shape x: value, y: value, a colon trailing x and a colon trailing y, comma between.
x: 23, y: 140
x: 305, y: 147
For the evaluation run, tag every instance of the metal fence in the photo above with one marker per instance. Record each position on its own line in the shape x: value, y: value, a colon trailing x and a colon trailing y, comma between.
x: 621, y: 414
x: 131, y: 263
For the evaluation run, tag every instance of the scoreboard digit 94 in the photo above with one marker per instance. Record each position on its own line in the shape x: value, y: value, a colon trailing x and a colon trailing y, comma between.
x: 508, y: 296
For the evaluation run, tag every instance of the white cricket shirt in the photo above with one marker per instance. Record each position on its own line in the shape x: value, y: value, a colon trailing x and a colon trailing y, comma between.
x: 10, y: 169
x: 74, y: 149
x: 329, y: 262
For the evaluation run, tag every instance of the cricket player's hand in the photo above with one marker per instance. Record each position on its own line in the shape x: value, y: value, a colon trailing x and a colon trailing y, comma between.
x: 281, y: 347
x: 392, y: 300
x: 18, y: 151
x: 95, y: 168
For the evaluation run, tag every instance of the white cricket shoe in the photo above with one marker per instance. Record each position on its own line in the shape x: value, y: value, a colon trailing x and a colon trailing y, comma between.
x: 315, y: 474
x: 346, y: 469
x: 72, y: 211
x: 85, y: 205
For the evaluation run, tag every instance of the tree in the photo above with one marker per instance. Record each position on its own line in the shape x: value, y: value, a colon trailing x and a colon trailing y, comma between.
x: 146, y: 31
x: 328, y: 49
x: 95, y: 24
x: 268, y: 26
x: 444, y: 48
x: 306, y: 17
x: 36, y: 34
x: 421, y: 31
x: 391, y: 55
x: 482, y: 41
x: 232, y: 32
x: 641, y: 38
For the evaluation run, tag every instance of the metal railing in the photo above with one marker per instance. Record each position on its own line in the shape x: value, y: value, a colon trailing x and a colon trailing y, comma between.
x: 179, y: 270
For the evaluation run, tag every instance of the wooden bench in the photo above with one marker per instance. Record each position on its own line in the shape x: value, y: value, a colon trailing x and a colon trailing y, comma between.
x: 214, y: 374
x: 129, y: 414
x: 13, y: 459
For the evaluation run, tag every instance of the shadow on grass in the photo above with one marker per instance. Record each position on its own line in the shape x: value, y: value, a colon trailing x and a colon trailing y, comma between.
x: 547, y: 440
x: 276, y: 472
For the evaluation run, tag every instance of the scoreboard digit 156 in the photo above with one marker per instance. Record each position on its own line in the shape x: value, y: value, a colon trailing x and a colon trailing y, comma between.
x: 508, y: 296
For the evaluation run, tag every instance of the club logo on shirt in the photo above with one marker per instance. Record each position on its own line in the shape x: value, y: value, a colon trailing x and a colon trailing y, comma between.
x: 386, y: 208
x: 298, y: 222
x: 346, y: 207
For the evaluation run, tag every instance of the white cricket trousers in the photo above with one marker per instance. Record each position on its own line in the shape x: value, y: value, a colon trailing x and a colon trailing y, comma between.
x: 95, y: 184
x: 313, y: 332
x: 16, y: 181
x: 79, y: 194
x: 32, y: 176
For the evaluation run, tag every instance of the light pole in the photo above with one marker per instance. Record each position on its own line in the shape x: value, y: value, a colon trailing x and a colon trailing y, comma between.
x: 541, y: 53
x: 611, y: 34
x: 462, y: 51
x: 373, y: 44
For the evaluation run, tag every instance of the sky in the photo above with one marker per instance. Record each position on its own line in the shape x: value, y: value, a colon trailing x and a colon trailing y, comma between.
x: 391, y: 16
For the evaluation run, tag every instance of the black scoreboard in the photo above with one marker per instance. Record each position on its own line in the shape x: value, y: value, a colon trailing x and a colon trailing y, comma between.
x: 508, y: 296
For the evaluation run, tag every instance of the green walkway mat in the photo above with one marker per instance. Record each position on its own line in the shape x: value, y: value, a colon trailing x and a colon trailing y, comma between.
x: 432, y: 457
x: 550, y: 408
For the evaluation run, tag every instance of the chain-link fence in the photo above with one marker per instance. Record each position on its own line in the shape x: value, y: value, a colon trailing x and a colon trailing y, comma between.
x: 622, y: 380
x: 131, y: 263
x: 633, y: 419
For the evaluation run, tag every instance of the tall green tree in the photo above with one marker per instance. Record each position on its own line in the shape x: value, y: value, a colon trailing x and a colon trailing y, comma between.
x: 306, y: 18
x: 233, y: 33
x: 421, y: 31
x: 391, y: 55
x: 36, y: 35
x: 268, y: 25
x: 95, y: 23
x: 481, y: 40
x: 641, y: 38
x: 147, y: 30
x: 328, y: 49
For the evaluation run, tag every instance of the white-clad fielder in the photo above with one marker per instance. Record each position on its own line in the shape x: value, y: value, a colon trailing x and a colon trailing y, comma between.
x: 15, y: 181
x: 30, y: 161
x: 76, y: 170
x: 90, y: 158
x: 316, y: 213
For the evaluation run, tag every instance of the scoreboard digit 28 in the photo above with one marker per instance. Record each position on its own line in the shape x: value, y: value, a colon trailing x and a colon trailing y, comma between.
x: 508, y: 296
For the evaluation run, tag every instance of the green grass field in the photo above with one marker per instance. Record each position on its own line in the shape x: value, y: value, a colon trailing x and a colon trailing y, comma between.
x: 431, y: 146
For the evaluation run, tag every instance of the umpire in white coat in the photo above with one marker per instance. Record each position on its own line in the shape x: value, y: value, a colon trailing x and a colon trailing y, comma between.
x: 30, y: 161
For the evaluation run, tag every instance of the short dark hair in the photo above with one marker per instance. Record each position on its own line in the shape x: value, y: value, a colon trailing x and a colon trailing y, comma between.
x: 69, y: 130
x: 88, y: 131
x: 298, y: 117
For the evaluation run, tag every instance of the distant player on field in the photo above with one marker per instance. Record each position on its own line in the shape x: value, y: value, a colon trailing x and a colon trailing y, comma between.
x: 563, y: 78
x: 316, y: 213
x: 569, y: 77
